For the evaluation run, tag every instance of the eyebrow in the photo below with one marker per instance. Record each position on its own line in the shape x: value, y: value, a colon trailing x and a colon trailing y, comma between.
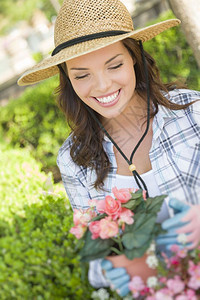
x: 107, y: 62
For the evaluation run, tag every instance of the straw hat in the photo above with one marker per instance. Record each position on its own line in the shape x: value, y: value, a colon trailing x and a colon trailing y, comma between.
x: 83, y: 26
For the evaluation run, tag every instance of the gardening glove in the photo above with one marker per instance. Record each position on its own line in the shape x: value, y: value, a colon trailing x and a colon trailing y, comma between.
x: 117, y: 277
x: 185, y: 225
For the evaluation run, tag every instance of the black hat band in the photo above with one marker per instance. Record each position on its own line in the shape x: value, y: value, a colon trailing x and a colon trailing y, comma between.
x: 85, y: 38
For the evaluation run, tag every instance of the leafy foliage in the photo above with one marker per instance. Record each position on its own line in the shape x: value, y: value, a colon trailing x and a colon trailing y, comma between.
x: 173, y: 55
x: 21, y: 182
x: 37, y: 257
x: 34, y: 121
x: 13, y: 11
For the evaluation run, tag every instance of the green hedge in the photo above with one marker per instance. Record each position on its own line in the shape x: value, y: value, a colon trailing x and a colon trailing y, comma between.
x: 173, y: 55
x: 37, y: 257
x: 21, y: 183
x: 34, y: 121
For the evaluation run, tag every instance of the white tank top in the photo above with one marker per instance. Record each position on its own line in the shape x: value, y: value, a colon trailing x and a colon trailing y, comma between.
x: 123, y: 181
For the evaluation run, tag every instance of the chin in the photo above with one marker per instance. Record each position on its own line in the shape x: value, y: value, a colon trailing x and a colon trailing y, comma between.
x: 112, y: 115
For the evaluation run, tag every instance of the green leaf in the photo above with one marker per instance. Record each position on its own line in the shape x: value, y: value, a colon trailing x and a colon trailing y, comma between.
x: 131, y: 204
x: 93, y: 256
x: 139, y: 219
x: 136, y: 195
x: 148, y: 223
x: 134, y: 240
x: 158, y: 230
x: 141, y: 231
x: 95, y: 247
x: 137, y: 252
x: 128, y: 240
x: 154, y: 204
x: 99, y: 217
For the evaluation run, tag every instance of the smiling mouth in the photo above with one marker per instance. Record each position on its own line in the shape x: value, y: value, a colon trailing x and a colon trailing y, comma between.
x: 109, y: 98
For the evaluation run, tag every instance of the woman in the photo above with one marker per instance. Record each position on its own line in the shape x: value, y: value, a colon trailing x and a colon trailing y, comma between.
x: 117, y: 107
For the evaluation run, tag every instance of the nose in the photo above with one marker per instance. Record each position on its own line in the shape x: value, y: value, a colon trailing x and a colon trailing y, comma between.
x: 102, y: 83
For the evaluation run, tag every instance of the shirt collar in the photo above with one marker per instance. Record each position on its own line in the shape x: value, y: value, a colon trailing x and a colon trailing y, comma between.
x: 106, y: 138
x: 167, y: 113
x: 163, y: 115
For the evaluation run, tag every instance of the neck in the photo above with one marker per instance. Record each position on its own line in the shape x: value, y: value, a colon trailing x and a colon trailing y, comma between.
x: 133, y: 118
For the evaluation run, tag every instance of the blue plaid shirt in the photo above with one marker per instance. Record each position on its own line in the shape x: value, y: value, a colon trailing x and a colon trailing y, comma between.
x: 174, y: 156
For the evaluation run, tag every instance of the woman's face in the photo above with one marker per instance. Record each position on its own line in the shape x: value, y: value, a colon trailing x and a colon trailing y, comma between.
x: 104, y: 79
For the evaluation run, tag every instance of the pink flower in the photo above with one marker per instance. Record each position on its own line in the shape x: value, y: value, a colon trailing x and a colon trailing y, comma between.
x: 191, y: 295
x: 174, y: 248
x: 83, y: 216
x: 108, y: 228
x: 179, y: 252
x: 78, y: 230
x: 144, y: 195
x: 187, y: 295
x: 123, y: 195
x: 166, y: 259
x: 92, y: 202
x: 175, y: 285
x: 182, y: 297
x: 174, y: 261
x: 163, y: 279
x: 94, y: 227
x: 163, y: 294
x: 112, y: 207
x: 182, y: 253
x: 76, y: 216
x: 145, y: 290
x: 125, y: 216
x: 100, y: 206
x: 136, y: 285
x: 194, y: 283
x: 194, y: 270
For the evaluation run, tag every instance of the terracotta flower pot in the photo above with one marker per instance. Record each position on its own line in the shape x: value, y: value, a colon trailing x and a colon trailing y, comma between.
x: 135, y: 267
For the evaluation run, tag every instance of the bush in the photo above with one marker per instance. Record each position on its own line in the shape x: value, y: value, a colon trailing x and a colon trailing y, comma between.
x: 21, y: 183
x: 37, y: 257
x: 34, y: 121
x: 173, y: 55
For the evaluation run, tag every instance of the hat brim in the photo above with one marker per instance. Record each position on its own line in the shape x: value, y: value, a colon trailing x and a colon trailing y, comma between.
x: 48, y: 67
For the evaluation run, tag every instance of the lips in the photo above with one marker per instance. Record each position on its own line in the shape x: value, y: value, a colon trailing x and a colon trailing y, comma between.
x: 109, y: 100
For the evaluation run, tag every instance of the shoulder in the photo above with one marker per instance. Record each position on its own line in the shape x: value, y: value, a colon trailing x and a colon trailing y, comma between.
x: 64, y: 160
x: 66, y: 146
x: 66, y: 164
x: 183, y: 96
x: 186, y: 96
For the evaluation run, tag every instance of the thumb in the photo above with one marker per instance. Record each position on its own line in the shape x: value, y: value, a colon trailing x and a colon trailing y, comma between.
x: 106, y: 264
x: 177, y: 205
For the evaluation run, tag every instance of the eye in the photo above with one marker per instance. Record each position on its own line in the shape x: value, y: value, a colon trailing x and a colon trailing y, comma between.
x: 116, y: 67
x: 81, y: 77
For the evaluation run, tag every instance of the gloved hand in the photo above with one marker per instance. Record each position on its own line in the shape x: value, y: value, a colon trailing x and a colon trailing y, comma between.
x: 117, y: 277
x: 186, y: 221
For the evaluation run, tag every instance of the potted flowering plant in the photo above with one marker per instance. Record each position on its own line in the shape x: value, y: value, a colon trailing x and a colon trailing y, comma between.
x: 178, y: 277
x: 120, y: 228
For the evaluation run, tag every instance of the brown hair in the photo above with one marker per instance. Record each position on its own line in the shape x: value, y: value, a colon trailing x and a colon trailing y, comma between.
x: 87, y: 149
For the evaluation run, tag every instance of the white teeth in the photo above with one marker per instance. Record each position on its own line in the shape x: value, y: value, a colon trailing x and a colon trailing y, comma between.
x: 109, y: 98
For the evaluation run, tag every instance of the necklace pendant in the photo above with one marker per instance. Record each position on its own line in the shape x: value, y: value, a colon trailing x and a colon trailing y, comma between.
x: 132, y: 167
